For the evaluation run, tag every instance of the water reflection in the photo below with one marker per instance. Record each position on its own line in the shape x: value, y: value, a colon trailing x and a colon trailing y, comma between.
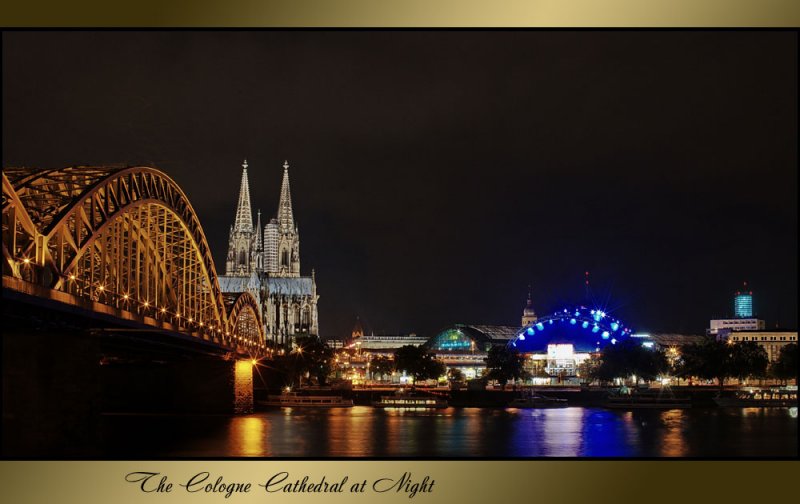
x: 248, y: 437
x: 459, y: 432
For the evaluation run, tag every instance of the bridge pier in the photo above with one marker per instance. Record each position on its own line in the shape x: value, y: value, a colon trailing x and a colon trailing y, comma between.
x: 213, y: 386
x: 62, y: 377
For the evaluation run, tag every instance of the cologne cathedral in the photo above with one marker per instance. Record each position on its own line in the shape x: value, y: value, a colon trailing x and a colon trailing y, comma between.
x: 265, y: 261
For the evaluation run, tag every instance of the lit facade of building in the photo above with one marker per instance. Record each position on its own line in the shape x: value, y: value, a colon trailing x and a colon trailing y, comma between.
x: 268, y: 266
x: 743, y: 305
x: 379, y: 344
x: 737, y: 324
x: 770, y: 341
x: 465, y: 347
x: 557, y: 344
x: 743, y: 316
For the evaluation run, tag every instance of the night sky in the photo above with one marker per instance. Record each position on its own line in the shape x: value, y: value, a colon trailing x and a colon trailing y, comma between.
x: 436, y: 174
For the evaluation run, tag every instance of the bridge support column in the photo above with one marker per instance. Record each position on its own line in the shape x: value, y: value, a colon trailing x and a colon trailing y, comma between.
x: 243, y: 387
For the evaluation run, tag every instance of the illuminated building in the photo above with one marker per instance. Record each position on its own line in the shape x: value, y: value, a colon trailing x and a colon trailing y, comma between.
x: 558, y: 343
x: 743, y: 303
x: 748, y: 324
x: 770, y: 341
x: 268, y: 266
x: 743, y: 313
x: 379, y: 344
x: 389, y: 344
x: 465, y: 347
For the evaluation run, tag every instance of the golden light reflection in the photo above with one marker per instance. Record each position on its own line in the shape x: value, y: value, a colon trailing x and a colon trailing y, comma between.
x: 249, y: 437
x: 673, y: 442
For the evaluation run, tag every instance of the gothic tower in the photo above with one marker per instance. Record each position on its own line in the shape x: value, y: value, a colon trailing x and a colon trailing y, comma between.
x: 243, y: 252
x: 266, y: 262
x: 281, y: 238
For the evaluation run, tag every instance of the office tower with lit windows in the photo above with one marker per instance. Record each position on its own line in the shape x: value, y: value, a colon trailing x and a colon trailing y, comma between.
x: 743, y: 303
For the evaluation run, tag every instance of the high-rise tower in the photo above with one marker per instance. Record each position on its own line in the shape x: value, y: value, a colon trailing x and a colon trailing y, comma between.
x: 743, y: 303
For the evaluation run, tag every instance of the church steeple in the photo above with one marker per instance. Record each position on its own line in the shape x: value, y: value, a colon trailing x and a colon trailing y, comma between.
x: 285, y: 217
x: 243, y: 255
x: 528, y: 314
x: 244, y: 215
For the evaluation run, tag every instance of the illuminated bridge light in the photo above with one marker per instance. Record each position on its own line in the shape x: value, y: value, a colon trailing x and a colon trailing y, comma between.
x: 540, y: 326
x: 613, y: 341
x: 614, y: 326
x: 595, y: 328
x: 530, y: 331
x: 573, y: 321
x: 605, y: 334
x: 522, y: 337
x: 165, y: 224
x: 551, y: 321
x: 585, y: 324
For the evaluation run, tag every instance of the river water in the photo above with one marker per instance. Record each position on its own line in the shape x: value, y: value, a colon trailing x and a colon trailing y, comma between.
x: 457, y: 432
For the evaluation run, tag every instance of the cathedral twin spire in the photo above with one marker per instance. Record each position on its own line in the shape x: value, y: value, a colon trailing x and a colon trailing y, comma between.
x: 244, y: 215
x: 285, y: 217
x: 251, y: 251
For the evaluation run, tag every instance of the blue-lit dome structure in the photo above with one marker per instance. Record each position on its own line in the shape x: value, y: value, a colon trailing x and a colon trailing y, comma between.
x: 587, y: 330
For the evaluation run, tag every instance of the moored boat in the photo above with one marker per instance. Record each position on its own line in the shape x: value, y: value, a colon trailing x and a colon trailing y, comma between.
x: 537, y: 401
x: 294, y: 400
x: 410, y: 402
x: 648, y: 400
x: 759, y: 398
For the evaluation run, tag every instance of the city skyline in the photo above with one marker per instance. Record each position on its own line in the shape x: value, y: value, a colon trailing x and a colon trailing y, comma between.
x: 437, y: 174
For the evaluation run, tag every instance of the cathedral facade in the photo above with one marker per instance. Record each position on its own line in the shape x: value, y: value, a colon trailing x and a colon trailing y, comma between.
x: 265, y: 261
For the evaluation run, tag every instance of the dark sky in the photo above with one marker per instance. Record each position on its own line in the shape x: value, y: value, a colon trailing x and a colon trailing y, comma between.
x: 436, y: 174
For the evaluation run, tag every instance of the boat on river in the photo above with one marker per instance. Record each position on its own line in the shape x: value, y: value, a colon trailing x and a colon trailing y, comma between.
x: 760, y: 398
x: 660, y: 399
x: 294, y: 400
x: 410, y: 402
x: 537, y: 401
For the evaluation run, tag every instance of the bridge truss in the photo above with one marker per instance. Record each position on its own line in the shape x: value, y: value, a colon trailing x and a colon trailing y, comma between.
x: 126, y: 238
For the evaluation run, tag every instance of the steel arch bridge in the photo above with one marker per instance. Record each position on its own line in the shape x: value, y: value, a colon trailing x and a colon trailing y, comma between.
x: 126, y: 238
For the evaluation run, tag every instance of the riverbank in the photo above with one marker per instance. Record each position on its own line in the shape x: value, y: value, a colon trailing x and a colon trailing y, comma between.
x: 701, y: 396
